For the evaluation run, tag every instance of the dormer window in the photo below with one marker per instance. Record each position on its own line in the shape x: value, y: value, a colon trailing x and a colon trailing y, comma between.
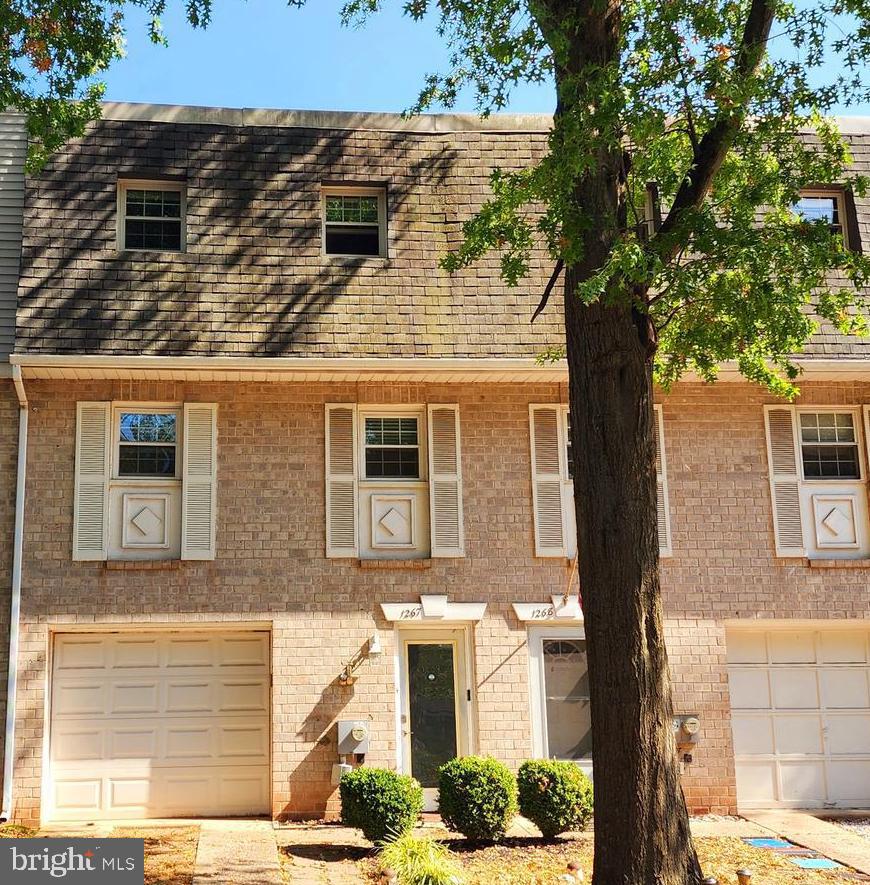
x: 151, y: 216
x: 354, y: 221
x: 824, y: 205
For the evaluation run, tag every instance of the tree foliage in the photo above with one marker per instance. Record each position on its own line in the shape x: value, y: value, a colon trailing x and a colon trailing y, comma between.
x: 52, y: 53
x: 736, y: 276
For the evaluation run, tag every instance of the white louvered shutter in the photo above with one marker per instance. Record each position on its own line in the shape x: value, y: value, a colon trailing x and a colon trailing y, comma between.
x: 782, y: 455
x: 91, y: 504
x: 547, y: 471
x: 341, y: 481
x: 445, y: 482
x: 199, y: 481
x: 663, y: 510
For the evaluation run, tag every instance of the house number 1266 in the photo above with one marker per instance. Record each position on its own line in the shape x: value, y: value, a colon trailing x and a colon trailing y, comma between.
x: 543, y: 614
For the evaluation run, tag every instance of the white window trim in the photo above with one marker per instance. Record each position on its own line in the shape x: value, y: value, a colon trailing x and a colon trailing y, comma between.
x: 126, y: 184
x: 564, y: 413
x: 837, y: 194
x: 392, y: 411
x: 537, y: 691
x: 150, y: 408
x: 568, y: 518
x: 857, y: 423
x: 569, y: 528
x: 332, y: 190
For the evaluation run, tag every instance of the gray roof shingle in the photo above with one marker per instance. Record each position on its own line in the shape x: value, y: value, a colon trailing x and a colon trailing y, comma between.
x: 253, y: 281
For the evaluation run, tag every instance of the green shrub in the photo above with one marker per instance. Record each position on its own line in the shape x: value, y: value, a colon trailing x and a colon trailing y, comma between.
x: 382, y: 803
x: 555, y: 796
x: 420, y: 861
x: 477, y: 797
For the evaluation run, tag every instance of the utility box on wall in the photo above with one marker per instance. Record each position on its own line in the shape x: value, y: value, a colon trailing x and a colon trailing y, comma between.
x: 687, y: 727
x: 353, y: 737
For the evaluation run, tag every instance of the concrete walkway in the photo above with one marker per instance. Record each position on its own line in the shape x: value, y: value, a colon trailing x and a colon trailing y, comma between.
x: 322, y: 853
x: 828, y: 839
x: 237, y: 852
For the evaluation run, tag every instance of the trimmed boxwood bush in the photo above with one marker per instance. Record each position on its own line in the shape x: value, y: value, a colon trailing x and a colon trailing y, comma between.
x: 477, y: 797
x: 555, y: 796
x: 381, y: 803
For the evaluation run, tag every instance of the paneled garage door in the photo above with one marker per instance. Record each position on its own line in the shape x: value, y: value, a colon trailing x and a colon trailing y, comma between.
x: 159, y: 725
x: 800, y: 712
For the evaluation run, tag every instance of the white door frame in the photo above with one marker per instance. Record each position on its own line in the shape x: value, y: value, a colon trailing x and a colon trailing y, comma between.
x: 537, y: 690
x: 460, y: 636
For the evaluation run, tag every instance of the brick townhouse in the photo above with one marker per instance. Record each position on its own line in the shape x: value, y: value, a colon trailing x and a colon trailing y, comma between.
x: 297, y: 498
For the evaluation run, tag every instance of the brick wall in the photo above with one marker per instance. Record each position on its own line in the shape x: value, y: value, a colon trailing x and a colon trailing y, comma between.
x: 270, y: 566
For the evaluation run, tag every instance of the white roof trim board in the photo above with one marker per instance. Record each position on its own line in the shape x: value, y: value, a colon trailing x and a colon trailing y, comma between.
x: 424, y: 369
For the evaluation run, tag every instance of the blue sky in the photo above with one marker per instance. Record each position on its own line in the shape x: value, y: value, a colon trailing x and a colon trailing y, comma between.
x: 265, y: 54
x: 262, y: 53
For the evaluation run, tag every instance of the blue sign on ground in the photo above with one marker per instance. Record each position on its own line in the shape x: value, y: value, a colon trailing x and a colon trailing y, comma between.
x: 815, y: 863
x: 768, y: 843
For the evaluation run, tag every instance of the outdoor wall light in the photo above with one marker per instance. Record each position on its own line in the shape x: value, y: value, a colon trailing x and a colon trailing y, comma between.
x: 375, y: 649
x: 372, y: 649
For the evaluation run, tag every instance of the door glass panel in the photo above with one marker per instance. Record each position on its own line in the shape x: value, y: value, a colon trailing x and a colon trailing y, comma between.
x: 566, y: 699
x: 432, y: 701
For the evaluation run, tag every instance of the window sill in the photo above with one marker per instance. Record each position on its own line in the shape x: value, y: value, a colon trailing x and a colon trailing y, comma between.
x: 839, y: 563
x: 132, y: 252
x: 417, y: 565
x: 355, y: 259
x: 142, y: 564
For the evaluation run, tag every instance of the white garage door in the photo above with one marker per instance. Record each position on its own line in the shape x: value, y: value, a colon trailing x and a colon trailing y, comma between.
x: 800, y: 713
x: 159, y: 725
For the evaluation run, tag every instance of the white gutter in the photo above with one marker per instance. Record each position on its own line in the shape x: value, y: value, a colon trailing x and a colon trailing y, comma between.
x: 15, y: 615
x: 291, y: 367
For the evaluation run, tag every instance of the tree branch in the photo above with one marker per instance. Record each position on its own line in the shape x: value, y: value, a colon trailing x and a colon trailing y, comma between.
x: 711, y: 150
x: 548, y: 290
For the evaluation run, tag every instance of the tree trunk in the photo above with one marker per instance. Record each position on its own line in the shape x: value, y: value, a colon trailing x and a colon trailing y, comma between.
x: 641, y: 823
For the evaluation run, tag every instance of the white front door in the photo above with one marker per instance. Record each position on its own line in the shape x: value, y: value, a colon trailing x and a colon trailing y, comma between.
x: 561, y: 718
x: 435, y: 699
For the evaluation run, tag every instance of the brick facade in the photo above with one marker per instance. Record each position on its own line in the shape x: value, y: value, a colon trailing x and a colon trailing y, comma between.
x: 253, y: 282
x: 271, y: 570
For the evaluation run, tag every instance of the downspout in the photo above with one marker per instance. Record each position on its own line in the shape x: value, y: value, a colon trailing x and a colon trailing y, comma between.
x: 15, y: 613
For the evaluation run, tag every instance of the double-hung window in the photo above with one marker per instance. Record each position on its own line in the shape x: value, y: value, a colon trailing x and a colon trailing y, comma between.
x: 552, y: 465
x: 151, y: 216
x: 825, y: 205
x: 829, y: 446
x: 392, y: 447
x: 818, y: 481
x: 145, y: 481
x: 393, y: 481
x: 354, y: 221
x: 147, y: 444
